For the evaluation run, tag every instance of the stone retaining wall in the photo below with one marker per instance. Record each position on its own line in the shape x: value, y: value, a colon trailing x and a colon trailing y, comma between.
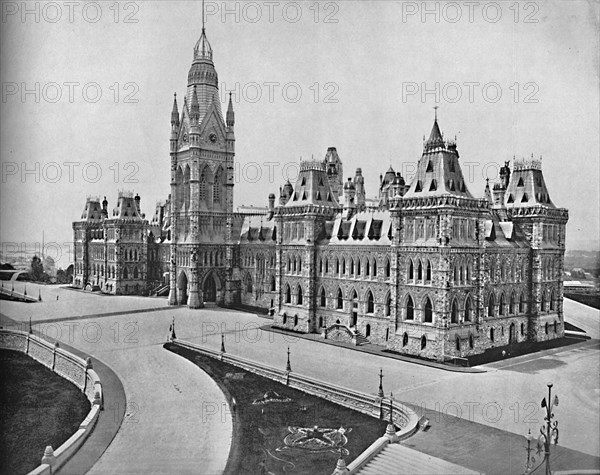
x: 404, y: 418
x: 72, y: 368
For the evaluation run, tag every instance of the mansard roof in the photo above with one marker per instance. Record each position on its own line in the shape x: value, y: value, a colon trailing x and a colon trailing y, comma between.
x: 504, y: 234
x: 527, y: 187
x: 438, y: 171
x: 258, y: 229
x: 92, y: 210
x: 312, y: 187
x: 363, y: 228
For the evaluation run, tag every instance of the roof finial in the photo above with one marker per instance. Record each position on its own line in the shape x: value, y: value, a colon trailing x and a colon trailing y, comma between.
x: 202, y: 16
x: 436, y: 107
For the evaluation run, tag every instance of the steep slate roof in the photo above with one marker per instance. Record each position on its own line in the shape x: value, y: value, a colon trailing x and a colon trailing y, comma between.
x: 312, y: 187
x: 527, y: 186
x: 438, y: 171
x: 258, y: 229
x: 364, y: 228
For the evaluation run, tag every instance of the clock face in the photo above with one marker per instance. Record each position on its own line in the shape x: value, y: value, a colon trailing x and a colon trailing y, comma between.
x: 185, y: 137
x: 212, y: 138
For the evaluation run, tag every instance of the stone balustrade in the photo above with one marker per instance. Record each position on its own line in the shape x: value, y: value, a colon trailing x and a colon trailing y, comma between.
x: 74, y: 369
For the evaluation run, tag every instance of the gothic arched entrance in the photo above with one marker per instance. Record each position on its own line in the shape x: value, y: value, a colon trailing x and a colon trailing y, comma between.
x: 209, y: 289
x: 182, y: 288
x: 512, y: 336
x: 212, y: 289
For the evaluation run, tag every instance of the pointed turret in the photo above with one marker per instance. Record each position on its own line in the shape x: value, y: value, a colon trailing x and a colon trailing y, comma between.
x: 175, y: 112
x: 195, y: 108
x: 438, y: 170
x: 230, y: 114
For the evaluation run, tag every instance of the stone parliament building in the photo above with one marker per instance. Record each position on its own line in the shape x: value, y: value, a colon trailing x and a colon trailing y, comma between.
x: 426, y: 269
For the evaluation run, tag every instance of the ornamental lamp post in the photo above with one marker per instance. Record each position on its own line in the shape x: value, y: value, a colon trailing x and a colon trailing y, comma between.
x: 549, y: 433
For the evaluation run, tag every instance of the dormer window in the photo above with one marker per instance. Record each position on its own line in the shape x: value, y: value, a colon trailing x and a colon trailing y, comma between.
x: 303, y: 181
x: 419, y: 187
x: 433, y: 186
x: 296, y: 196
x: 429, y: 166
x: 304, y: 195
x: 520, y: 183
x: 525, y: 198
x: 510, y: 198
x: 452, y: 166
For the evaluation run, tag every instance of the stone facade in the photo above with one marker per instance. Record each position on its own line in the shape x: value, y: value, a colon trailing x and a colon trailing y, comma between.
x: 425, y: 269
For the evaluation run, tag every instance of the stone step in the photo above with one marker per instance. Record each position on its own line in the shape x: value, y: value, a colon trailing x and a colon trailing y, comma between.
x: 396, y: 459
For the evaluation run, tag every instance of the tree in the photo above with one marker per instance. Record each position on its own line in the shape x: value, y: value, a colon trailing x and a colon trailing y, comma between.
x: 37, y: 269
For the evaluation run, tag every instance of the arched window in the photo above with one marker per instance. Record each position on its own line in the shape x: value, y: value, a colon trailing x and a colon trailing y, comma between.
x: 248, y: 284
x: 299, y: 296
x: 337, y: 266
x: 546, y: 327
x: 273, y: 284
x: 501, y: 305
x: 468, y: 309
x: 295, y: 320
x: 358, y: 266
x: 217, y: 186
x: 284, y: 318
x: 322, y: 297
x: 512, y: 306
x: 340, y: 299
x: 543, y: 303
x: 410, y: 309
x: 522, y: 329
x: 456, y: 274
x: 202, y: 187
x: 457, y: 344
x: 405, y: 339
x: 370, y: 302
x: 454, y: 312
x: 411, y: 270
x: 320, y: 266
x: 468, y: 273
x: 552, y: 300
x: 320, y: 322
x: 388, y: 268
x: 343, y: 266
x: 471, y: 343
x: 125, y: 273
x: 522, y: 303
x: 555, y: 325
x: 300, y: 264
x: 368, y: 268
x: 351, y: 266
x: 375, y: 268
x: 492, y: 334
x: 491, y: 305
x: 294, y: 265
x: 420, y: 271
x: 288, y: 294
x: 388, y: 305
x: 368, y: 330
x: 135, y: 272
x: 423, y: 342
x: 326, y: 265
x: 428, y: 272
x: 428, y: 311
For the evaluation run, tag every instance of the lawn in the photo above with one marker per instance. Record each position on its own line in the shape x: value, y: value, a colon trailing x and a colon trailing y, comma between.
x: 39, y: 408
x: 277, y: 429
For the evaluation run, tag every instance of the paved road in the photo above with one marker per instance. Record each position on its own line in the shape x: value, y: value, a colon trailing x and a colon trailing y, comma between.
x: 506, y: 397
x: 166, y: 429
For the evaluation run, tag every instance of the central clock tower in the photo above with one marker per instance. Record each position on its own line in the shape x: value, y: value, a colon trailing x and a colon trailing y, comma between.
x: 202, y: 149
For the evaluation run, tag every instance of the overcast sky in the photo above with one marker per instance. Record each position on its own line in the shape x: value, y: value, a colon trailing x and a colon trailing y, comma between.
x: 512, y: 79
